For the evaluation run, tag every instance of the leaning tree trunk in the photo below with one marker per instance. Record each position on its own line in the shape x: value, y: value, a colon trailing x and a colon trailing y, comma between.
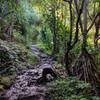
x: 84, y: 67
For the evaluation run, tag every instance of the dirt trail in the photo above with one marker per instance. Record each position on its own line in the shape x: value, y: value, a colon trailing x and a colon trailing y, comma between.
x: 24, y: 86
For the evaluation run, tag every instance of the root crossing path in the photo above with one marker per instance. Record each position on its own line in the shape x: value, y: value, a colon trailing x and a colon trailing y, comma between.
x: 24, y: 86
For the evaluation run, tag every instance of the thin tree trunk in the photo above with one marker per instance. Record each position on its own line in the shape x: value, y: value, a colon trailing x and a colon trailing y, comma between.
x: 77, y: 11
x: 65, y: 42
x: 54, y: 29
x: 85, y: 25
x: 54, y: 32
x: 66, y: 58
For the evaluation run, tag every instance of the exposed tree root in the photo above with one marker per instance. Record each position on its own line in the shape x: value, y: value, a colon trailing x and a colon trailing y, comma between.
x: 85, y: 68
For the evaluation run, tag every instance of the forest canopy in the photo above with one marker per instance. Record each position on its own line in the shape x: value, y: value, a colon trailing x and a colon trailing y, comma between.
x: 63, y: 34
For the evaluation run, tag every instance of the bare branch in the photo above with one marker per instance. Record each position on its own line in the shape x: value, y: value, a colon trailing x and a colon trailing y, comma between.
x: 71, y: 23
x: 89, y: 15
x: 93, y: 21
x: 77, y: 29
x: 80, y: 22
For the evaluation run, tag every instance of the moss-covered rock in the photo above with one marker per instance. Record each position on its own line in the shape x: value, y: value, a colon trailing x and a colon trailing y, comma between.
x: 5, y: 81
x: 1, y: 87
x: 13, y: 58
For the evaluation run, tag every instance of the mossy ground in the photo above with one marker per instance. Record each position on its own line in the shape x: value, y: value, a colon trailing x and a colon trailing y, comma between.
x: 14, y: 57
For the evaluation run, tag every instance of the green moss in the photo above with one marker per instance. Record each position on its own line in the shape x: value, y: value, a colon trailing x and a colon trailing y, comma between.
x: 5, y: 81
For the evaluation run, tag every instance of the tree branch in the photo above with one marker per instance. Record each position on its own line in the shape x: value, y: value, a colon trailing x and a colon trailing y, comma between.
x: 77, y: 29
x: 93, y: 21
x: 71, y: 21
x: 80, y: 22
x: 67, y: 1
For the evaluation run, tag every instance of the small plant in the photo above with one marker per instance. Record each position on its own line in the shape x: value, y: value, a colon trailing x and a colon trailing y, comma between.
x: 71, y: 89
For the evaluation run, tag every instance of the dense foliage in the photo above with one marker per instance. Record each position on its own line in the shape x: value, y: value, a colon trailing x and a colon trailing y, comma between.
x: 68, y: 30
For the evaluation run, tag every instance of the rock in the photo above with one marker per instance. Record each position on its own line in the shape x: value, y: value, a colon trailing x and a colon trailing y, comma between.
x: 1, y: 87
x: 25, y: 85
x: 30, y: 98
x: 13, y: 59
x: 3, y: 98
x: 5, y: 81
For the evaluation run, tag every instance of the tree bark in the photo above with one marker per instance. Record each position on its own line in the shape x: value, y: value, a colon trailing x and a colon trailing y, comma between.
x: 54, y: 30
x: 85, y: 25
x: 70, y: 45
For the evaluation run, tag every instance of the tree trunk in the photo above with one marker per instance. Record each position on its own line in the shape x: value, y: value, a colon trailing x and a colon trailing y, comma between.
x: 85, y: 25
x: 84, y: 67
x: 54, y: 31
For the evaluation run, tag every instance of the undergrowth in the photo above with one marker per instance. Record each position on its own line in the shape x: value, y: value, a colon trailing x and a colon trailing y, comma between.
x: 71, y: 89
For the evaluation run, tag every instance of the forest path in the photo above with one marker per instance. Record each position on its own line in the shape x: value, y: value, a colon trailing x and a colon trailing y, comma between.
x: 24, y: 86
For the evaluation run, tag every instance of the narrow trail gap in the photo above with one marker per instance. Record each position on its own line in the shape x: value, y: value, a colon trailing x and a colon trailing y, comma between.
x: 24, y: 86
